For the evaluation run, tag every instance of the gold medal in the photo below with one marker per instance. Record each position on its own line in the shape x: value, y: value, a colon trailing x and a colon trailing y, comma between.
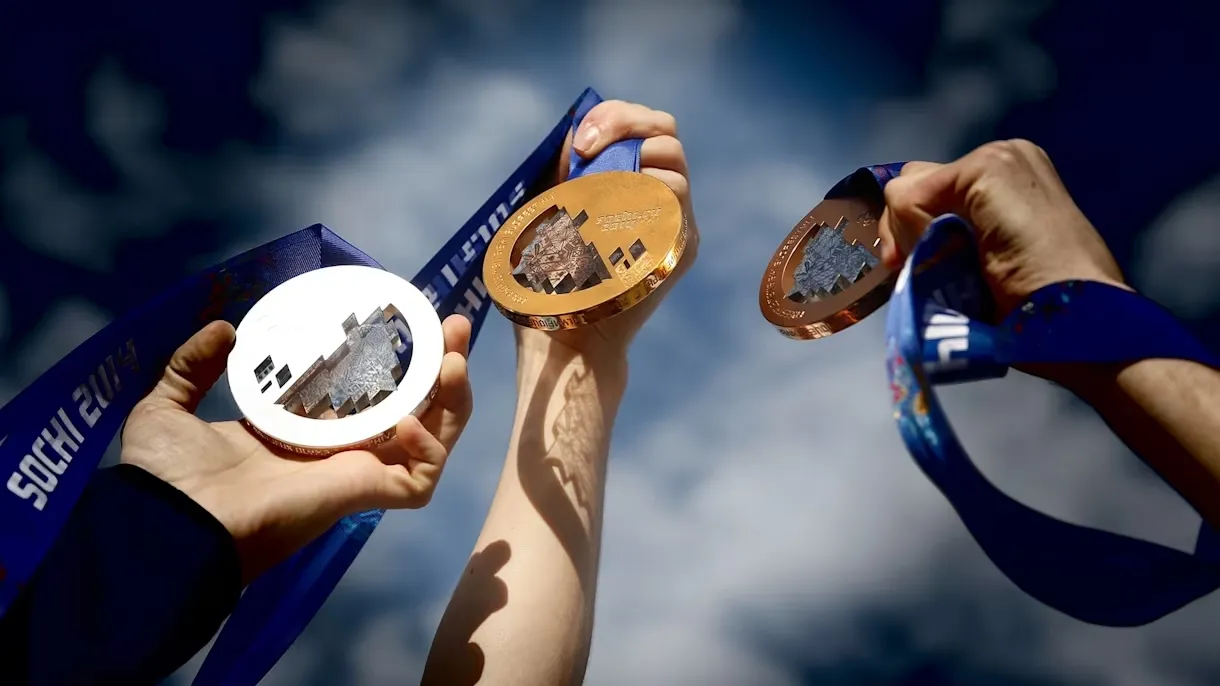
x: 585, y: 250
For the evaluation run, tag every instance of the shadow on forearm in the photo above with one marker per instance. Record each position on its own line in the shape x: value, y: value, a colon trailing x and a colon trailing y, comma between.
x: 481, y: 594
x: 544, y: 473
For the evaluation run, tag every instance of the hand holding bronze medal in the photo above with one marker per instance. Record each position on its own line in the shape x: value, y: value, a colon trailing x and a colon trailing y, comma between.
x: 827, y: 274
x: 590, y: 248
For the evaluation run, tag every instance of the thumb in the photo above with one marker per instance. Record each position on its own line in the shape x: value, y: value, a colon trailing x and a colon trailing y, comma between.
x: 196, y: 366
x: 912, y: 200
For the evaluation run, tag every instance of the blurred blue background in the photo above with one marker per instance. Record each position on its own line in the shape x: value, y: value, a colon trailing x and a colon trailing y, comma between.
x: 764, y: 523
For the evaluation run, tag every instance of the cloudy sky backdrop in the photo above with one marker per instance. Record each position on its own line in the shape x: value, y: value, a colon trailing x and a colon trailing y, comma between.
x: 764, y: 523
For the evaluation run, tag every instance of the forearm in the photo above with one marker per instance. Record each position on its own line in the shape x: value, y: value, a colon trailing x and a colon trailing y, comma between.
x: 1167, y: 411
x: 137, y: 582
x: 523, y: 609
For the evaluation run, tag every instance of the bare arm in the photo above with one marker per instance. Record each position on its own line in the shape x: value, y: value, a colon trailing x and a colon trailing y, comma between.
x: 1031, y: 234
x: 1168, y: 411
x: 523, y: 609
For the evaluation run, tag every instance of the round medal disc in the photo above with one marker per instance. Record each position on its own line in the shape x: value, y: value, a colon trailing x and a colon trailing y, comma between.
x: 827, y: 274
x: 585, y: 250
x: 332, y: 359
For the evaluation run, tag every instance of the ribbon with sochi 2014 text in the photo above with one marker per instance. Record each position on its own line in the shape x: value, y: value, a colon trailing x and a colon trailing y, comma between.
x: 54, y: 433
x: 936, y: 333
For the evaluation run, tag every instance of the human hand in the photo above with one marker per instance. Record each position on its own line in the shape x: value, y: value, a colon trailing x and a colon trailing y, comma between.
x: 661, y: 156
x: 274, y: 502
x: 1030, y: 232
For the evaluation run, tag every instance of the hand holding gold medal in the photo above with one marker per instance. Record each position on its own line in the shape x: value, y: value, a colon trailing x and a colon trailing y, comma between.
x: 593, y: 255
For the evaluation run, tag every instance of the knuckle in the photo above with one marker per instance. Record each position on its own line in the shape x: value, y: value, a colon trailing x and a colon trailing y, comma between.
x: 999, y: 153
x: 670, y: 147
x: 1026, y: 148
x: 1007, y: 158
x: 898, y: 192
x: 608, y: 115
x: 667, y: 122
x: 678, y: 184
x: 422, y: 498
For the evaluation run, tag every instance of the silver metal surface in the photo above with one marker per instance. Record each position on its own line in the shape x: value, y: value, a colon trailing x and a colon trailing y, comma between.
x: 830, y: 264
x: 558, y: 260
x: 362, y: 372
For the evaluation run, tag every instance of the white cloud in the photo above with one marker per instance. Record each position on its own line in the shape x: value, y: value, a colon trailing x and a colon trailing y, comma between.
x: 656, y: 52
x: 1179, y: 257
x: 67, y: 325
x: 769, y: 501
x: 383, y: 656
x: 962, y: 97
x: 52, y: 213
x: 399, y: 194
x: 776, y: 488
x: 797, y: 501
x: 779, y: 489
x: 328, y: 74
x: 48, y: 213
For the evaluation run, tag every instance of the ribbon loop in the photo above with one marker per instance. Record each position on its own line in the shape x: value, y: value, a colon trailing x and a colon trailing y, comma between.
x: 621, y: 155
x: 935, y: 336
x: 279, y: 604
x: 53, y: 434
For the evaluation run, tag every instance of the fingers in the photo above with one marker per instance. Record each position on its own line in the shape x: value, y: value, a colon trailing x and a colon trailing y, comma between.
x: 195, y: 366
x: 400, y: 473
x: 663, y: 152
x: 925, y: 190
x: 615, y: 120
x: 450, y: 410
x: 413, y: 463
x: 456, y: 329
x: 404, y: 472
x: 676, y: 181
x: 915, y: 167
x: 910, y: 205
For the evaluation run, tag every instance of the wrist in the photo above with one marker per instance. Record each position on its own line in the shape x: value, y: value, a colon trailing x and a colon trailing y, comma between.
x: 541, y: 354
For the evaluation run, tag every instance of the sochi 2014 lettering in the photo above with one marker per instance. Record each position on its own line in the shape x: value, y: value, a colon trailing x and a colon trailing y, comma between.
x: 51, y: 453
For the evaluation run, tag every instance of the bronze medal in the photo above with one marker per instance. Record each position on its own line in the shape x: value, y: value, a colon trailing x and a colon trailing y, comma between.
x: 827, y: 274
x: 585, y: 250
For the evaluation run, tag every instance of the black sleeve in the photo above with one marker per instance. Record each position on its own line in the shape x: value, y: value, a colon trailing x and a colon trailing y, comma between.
x: 138, y: 581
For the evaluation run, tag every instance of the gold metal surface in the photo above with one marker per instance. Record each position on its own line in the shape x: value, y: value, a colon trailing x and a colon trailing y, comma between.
x: 585, y: 250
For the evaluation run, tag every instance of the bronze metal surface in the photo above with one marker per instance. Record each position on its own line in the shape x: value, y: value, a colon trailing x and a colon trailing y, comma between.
x: 585, y: 250
x: 827, y: 274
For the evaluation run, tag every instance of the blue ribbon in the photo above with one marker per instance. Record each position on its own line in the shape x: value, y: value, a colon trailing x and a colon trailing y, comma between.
x: 936, y: 333
x: 278, y: 605
x: 53, y: 434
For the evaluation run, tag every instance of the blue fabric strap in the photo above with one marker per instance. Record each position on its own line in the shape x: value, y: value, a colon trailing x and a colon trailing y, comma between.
x: 937, y: 333
x: 54, y: 433
x: 278, y: 605
x: 618, y: 156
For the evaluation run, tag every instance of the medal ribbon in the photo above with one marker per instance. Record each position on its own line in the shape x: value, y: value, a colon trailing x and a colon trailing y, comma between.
x: 936, y: 333
x: 278, y: 605
x: 621, y: 155
x: 54, y: 433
